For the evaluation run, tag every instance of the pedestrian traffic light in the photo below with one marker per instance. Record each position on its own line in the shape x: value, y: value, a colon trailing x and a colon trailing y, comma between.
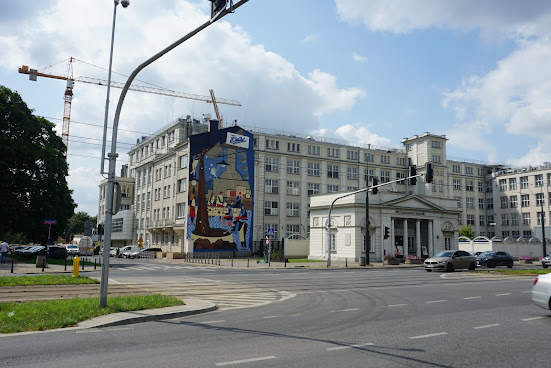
x: 387, y: 232
x: 412, y: 173
x: 428, y: 172
x: 374, y: 189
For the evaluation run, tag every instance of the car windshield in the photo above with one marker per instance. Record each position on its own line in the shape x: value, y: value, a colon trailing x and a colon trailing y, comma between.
x: 71, y: 246
x: 486, y: 254
x: 444, y: 254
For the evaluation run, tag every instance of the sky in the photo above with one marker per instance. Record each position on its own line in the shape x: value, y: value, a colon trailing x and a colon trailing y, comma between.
x: 370, y: 71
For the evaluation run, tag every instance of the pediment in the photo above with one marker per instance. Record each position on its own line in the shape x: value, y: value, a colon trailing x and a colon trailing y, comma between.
x: 413, y: 202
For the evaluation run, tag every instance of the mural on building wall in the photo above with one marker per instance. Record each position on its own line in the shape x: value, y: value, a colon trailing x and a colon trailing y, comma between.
x: 221, y: 182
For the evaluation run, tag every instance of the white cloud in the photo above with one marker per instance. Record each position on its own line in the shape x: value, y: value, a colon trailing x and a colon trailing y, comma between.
x: 310, y: 38
x: 356, y: 133
x: 358, y: 57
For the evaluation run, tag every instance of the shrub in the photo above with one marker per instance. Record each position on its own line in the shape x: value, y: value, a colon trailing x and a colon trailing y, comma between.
x: 413, y: 257
x: 389, y: 257
x: 524, y: 258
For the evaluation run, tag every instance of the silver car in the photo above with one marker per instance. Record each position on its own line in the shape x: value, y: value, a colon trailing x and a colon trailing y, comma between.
x: 449, y: 260
x: 546, y: 261
x: 541, y: 291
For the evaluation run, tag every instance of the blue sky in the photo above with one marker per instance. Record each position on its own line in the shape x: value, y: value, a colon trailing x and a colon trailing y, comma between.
x: 372, y: 71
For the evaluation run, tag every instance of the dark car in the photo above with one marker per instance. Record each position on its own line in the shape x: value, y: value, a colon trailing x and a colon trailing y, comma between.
x: 492, y: 259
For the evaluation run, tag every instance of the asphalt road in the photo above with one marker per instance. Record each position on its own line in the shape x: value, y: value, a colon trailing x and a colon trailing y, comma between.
x: 321, y: 318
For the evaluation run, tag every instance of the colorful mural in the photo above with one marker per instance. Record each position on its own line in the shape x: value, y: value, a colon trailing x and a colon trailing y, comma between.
x: 221, y: 184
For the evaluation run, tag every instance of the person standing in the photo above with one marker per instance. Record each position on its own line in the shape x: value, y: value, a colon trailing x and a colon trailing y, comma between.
x: 3, y: 251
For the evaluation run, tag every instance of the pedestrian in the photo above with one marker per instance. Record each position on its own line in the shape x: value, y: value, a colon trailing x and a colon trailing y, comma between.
x: 3, y: 251
x: 118, y: 251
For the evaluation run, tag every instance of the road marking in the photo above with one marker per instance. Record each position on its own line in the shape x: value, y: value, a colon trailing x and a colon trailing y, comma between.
x: 473, y: 297
x: 106, y: 330
x: 350, y: 346
x: 430, y: 335
x: 527, y: 291
x: 436, y: 301
x: 503, y: 294
x: 283, y: 315
x: 345, y: 310
x: 246, y: 360
x: 531, y: 319
x: 207, y: 322
x: 486, y: 326
x: 395, y: 305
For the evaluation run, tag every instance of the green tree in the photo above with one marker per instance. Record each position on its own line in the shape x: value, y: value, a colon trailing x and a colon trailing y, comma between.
x: 466, y: 231
x: 76, y: 223
x: 33, y: 172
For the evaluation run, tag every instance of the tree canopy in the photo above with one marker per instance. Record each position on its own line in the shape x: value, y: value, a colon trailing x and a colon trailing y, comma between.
x: 466, y: 231
x: 33, y: 172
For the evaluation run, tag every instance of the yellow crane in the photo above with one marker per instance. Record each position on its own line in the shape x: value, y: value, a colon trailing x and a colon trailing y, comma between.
x: 68, y: 95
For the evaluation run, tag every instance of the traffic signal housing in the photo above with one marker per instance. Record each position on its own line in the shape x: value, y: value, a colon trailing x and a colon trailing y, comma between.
x: 412, y: 172
x: 387, y: 232
x: 428, y: 172
x: 374, y: 189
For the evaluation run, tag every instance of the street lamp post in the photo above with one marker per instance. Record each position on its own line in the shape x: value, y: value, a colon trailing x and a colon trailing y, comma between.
x: 113, y: 154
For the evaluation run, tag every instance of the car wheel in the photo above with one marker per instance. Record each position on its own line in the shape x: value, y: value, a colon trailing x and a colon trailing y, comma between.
x: 510, y: 264
x: 472, y: 266
x: 449, y: 267
x: 545, y: 266
x: 491, y: 264
x: 428, y: 270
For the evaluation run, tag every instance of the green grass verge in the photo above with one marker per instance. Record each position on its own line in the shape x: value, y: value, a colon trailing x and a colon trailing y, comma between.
x: 45, y: 280
x: 47, y: 315
x: 56, y: 261
x: 528, y: 272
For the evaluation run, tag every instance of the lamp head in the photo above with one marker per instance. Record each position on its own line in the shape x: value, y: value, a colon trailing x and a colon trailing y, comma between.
x: 125, y: 3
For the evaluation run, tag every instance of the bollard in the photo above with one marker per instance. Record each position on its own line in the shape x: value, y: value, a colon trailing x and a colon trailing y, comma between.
x: 43, y: 265
x: 247, y: 263
x: 231, y: 261
x: 285, y: 261
x: 76, y: 262
x: 218, y: 259
x: 65, y: 264
x: 95, y: 263
x: 346, y: 262
x: 12, y: 265
x: 84, y: 260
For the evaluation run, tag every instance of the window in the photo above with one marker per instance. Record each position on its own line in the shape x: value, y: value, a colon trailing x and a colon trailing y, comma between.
x: 270, y: 208
x: 456, y: 184
x: 490, y: 203
x: 272, y: 144
x: 313, y: 169
x: 480, y: 171
x: 385, y: 159
x: 293, y: 147
x: 502, y: 185
x: 541, y: 218
x: 402, y: 161
x: 332, y: 188
x: 181, y: 210
x: 332, y: 171
x: 489, y: 187
x: 351, y: 189
x: 333, y: 152
x: 292, y: 229
x: 272, y: 164
x: 352, y: 173
x: 470, y: 219
x: 437, y: 159
x: 293, y: 209
x: 385, y: 176
x: 314, y: 150
x: 514, y: 219
x: 514, y: 201
x: 504, y: 234
x: 409, y: 147
x: 503, y: 202
x: 539, y: 180
x: 525, y: 200
x: 515, y: 234
x: 401, y: 176
x: 481, y: 203
x: 272, y: 228
x: 368, y: 175
x: 369, y: 157
x: 468, y: 170
x: 456, y: 169
x: 524, y: 182
x: 293, y: 167
x: 469, y: 202
x: 481, y: 220
x: 182, y: 185
x: 436, y: 144
x: 271, y: 186
x: 526, y: 219
x: 352, y: 155
x: 540, y: 200
x: 513, y: 184
x: 313, y: 189
x: 504, y: 219
x: 184, y: 161
x: 469, y: 186
x: 458, y: 200
x: 527, y: 234
x: 459, y: 219
x: 481, y: 187
x: 293, y: 187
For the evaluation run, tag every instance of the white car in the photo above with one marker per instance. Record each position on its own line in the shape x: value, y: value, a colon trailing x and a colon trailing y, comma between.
x: 541, y: 291
x: 72, y: 249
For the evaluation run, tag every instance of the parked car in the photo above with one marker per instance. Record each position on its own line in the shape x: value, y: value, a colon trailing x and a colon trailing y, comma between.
x: 546, y: 261
x: 18, y: 251
x: 449, y: 260
x: 492, y: 259
x: 72, y: 249
x: 145, y: 253
x: 58, y: 252
x: 32, y: 251
x: 541, y: 291
x: 131, y: 249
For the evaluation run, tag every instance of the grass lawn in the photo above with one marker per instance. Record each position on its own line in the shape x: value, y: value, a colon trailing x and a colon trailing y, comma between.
x: 45, y: 280
x: 530, y: 272
x: 46, y: 315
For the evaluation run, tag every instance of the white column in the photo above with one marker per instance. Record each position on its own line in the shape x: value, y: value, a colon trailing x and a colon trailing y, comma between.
x: 418, y: 237
x: 392, y: 224
x: 405, y: 238
x: 431, y: 239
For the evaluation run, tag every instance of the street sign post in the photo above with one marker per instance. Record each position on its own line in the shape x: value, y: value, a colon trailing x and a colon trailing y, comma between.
x: 49, y: 223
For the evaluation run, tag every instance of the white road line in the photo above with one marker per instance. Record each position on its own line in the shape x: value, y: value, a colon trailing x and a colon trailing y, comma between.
x: 472, y: 297
x: 430, y: 335
x: 106, y: 330
x: 345, y: 310
x: 486, y: 326
x: 503, y: 294
x: 531, y: 319
x: 527, y: 291
x: 284, y: 315
x: 395, y: 305
x: 246, y: 360
x: 436, y: 301
x: 350, y: 346
x: 220, y: 321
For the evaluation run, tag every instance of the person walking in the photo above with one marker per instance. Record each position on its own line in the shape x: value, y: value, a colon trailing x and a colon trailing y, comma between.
x: 3, y: 251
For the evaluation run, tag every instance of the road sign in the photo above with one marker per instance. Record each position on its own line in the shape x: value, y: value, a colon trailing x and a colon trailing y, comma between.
x: 50, y: 222
x: 270, y: 232
x: 267, y: 240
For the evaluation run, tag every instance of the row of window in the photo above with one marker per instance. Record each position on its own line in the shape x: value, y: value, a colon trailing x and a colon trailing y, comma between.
x: 469, y: 170
x: 524, y: 182
x: 271, y: 208
x: 512, y: 201
x: 160, y: 143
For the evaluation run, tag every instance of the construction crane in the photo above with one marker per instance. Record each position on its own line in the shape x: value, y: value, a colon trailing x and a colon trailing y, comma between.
x: 213, y: 99
x: 68, y: 95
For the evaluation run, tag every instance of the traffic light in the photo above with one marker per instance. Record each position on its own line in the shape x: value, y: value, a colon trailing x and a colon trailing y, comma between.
x: 412, y: 172
x: 387, y: 232
x: 428, y: 172
x: 374, y: 189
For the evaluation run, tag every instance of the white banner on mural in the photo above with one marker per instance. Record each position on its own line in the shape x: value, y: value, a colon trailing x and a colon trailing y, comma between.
x: 237, y: 140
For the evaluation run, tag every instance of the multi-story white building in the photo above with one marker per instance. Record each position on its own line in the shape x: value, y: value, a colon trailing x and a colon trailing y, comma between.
x: 290, y: 168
